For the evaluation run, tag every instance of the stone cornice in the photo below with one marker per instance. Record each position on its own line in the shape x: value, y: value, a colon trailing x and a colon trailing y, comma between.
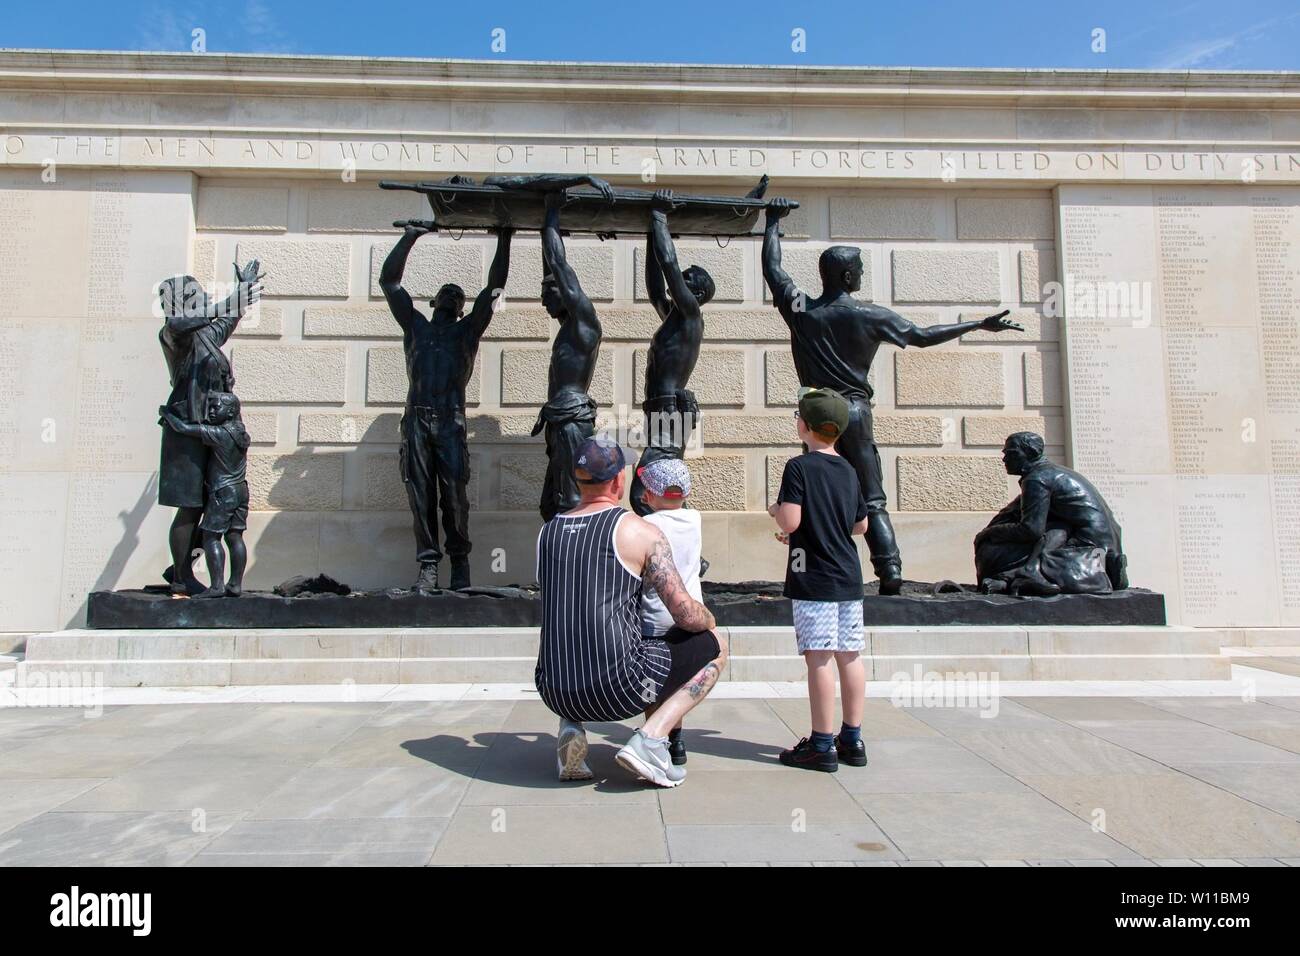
x: 224, y: 73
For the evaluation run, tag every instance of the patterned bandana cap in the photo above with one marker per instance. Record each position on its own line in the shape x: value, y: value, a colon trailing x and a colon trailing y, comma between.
x: 600, y: 458
x: 659, y: 476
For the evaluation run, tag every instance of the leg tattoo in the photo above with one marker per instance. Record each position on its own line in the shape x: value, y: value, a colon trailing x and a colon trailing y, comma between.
x: 702, y: 682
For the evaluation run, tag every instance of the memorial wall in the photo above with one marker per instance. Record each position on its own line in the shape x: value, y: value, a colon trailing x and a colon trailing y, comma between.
x: 1141, y: 229
x: 1203, y: 374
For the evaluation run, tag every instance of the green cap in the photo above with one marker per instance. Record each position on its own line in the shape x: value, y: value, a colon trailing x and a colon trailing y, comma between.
x: 819, y: 407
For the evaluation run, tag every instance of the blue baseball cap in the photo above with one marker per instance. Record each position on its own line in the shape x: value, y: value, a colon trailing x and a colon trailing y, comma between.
x: 601, y: 458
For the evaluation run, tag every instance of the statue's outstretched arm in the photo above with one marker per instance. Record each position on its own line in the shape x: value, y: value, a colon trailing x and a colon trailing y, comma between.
x: 394, y: 267
x: 923, y: 337
x: 784, y: 292
x: 662, y: 241
x: 551, y: 182
x: 556, y: 262
x: 654, y: 277
x: 481, y: 314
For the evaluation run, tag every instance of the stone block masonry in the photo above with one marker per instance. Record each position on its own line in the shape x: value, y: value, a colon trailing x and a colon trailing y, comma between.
x: 978, y: 200
x: 322, y: 342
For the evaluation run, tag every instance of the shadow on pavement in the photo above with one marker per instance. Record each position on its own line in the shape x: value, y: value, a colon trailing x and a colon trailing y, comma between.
x: 527, y: 759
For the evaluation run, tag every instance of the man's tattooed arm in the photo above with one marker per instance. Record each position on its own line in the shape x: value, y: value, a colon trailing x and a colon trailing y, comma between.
x: 660, y: 573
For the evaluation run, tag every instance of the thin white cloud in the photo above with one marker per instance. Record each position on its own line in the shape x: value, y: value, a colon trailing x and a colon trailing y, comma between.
x: 261, y: 25
x: 166, y: 29
x: 1193, y: 55
x: 1216, y: 50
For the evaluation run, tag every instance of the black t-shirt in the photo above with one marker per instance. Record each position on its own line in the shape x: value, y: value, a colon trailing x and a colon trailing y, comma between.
x: 823, y: 564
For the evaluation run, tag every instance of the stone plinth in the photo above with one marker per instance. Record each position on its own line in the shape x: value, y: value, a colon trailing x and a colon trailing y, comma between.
x: 749, y: 603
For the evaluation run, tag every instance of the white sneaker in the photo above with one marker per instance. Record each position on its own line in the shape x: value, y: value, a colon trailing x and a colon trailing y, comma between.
x: 571, y: 751
x: 649, y: 759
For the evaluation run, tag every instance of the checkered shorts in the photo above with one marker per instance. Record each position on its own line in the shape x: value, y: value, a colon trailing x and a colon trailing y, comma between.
x: 828, y: 625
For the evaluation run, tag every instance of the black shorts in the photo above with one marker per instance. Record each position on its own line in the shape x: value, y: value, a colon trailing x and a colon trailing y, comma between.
x: 690, y: 652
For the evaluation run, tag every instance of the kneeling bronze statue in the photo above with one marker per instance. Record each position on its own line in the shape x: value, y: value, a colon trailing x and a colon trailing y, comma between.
x: 1057, y: 537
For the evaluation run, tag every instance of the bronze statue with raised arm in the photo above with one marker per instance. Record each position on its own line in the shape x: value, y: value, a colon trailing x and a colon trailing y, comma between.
x: 195, y: 327
x: 671, y: 410
x: 569, y: 415
x: 440, y: 351
x: 834, y: 338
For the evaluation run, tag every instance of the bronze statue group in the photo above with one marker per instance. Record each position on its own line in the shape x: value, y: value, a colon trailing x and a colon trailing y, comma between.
x: 600, y: 566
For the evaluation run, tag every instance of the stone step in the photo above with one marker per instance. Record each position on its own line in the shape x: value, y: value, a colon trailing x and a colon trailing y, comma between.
x: 1267, y: 637
x: 129, y: 658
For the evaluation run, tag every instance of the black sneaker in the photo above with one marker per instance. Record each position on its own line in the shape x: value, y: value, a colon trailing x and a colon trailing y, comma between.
x: 805, y: 756
x: 677, y: 750
x: 854, y: 754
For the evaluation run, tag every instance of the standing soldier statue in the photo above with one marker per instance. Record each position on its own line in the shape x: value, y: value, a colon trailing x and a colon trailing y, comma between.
x: 440, y: 352
x: 834, y: 338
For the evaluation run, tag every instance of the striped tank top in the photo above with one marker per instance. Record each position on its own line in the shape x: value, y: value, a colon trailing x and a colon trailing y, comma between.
x: 593, y: 663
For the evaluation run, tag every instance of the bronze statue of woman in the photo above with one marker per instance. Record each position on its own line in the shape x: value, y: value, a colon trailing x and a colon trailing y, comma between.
x: 195, y: 327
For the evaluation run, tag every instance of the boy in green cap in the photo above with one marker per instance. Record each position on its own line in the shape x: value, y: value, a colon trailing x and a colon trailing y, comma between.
x: 819, y: 510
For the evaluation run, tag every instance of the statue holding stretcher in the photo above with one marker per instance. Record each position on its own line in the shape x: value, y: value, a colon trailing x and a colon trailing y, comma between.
x: 557, y: 205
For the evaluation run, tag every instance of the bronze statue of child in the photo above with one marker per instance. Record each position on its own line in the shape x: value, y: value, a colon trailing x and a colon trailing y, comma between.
x: 225, y: 486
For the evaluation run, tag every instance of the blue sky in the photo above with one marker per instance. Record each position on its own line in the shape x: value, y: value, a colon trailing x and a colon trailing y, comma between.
x: 1139, y: 34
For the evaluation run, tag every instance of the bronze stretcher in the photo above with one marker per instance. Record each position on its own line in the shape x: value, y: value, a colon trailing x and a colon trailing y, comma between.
x: 458, y: 204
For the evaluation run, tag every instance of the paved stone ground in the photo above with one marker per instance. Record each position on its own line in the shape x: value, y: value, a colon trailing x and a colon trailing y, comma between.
x: 1087, y: 781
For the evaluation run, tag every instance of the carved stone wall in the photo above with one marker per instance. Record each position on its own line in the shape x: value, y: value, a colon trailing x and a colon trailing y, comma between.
x: 117, y: 170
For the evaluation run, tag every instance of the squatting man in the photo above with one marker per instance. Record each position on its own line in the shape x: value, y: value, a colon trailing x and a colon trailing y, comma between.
x: 594, y: 662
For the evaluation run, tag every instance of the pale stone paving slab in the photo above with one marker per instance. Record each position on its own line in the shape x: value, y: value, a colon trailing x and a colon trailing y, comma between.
x: 73, y: 755
x: 1172, y: 816
x: 566, y: 834
x: 287, y: 838
x: 110, y: 839
x: 351, y: 792
x: 978, y: 825
x: 447, y: 781
x: 750, y: 798
x: 22, y: 800
x: 849, y: 841
x: 1272, y: 785
x: 925, y: 765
